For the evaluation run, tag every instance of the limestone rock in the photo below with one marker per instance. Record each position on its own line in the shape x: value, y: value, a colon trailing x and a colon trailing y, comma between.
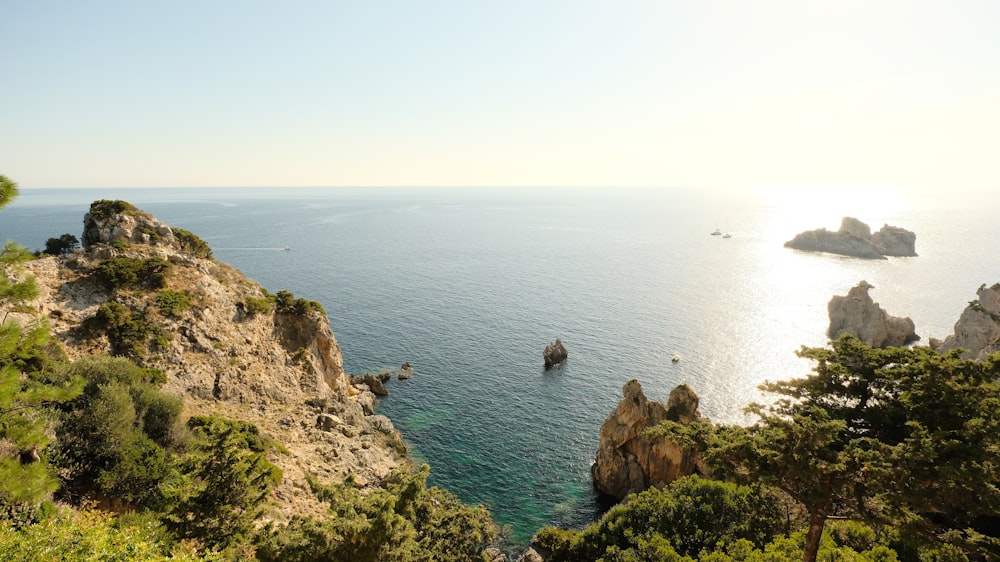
x: 628, y: 461
x: 531, y: 555
x: 856, y: 239
x: 857, y: 314
x: 978, y: 328
x: 493, y: 554
x: 554, y: 354
x: 100, y: 226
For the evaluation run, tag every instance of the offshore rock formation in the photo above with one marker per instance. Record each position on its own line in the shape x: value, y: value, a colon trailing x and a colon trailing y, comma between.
x: 280, y: 370
x: 855, y: 239
x: 978, y: 329
x: 629, y: 461
x: 857, y: 314
x: 554, y: 354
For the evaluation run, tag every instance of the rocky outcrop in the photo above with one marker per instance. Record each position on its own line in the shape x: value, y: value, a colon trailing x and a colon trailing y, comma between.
x: 281, y: 371
x: 857, y: 314
x: 628, y: 460
x: 110, y: 222
x: 554, y: 354
x: 856, y: 239
x: 978, y: 328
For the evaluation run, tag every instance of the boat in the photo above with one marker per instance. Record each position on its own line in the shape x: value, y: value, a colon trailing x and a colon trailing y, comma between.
x: 675, y: 358
x: 716, y: 232
x: 727, y: 235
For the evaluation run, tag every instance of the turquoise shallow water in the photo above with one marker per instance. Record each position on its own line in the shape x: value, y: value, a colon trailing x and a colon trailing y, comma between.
x: 470, y: 285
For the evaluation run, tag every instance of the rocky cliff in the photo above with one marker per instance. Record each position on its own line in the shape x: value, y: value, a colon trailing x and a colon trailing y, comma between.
x: 856, y: 239
x: 978, y: 328
x: 228, y: 349
x: 629, y: 460
x: 857, y: 314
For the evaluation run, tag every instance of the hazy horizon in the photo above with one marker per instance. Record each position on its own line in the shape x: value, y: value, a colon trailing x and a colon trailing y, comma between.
x: 720, y: 95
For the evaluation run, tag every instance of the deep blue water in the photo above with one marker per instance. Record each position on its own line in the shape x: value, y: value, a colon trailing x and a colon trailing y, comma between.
x: 470, y: 285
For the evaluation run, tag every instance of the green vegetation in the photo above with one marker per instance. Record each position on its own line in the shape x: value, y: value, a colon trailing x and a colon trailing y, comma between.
x: 192, y: 244
x: 173, y: 303
x: 404, y: 521
x: 286, y: 303
x: 130, y: 273
x: 61, y: 246
x: 259, y: 305
x: 104, y: 209
x: 128, y: 330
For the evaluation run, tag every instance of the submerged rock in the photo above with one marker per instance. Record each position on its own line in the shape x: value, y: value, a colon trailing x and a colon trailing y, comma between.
x: 628, y: 460
x: 978, y: 329
x: 857, y: 314
x: 554, y: 354
x: 856, y: 239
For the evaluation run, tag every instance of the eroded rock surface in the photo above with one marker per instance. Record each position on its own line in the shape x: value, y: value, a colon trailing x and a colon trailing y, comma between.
x: 978, y: 328
x: 629, y: 461
x: 857, y: 314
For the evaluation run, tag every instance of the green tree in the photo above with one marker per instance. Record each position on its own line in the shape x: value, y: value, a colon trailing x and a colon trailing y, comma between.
x: 901, y: 436
x: 226, y: 481
x: 115, y: 437
x: 8, y: 191
x: 402, y: 521
x: 61, y: 246
x: 689, y: 516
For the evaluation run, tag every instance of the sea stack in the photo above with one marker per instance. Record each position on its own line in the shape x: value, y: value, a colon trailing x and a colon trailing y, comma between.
x: 857, y: 314
x: 554, y: 354
x: 628, y: 460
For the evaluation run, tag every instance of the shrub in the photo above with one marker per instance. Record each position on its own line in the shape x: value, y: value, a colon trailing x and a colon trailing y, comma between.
x: 258, y: 305
x: 173, y: 303
x: 191, y: 243
x: 127, y: 329
x: 286, y: 303
x: 61, y: 246
x: 115, y: 436
x: 129, y: 273
x: 103, y: 209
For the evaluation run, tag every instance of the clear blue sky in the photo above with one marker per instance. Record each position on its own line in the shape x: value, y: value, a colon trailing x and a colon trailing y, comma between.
x: 700, y: 93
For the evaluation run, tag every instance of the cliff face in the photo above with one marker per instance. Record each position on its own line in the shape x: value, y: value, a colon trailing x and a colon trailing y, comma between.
x: 978, y: 328
x: 628, y: 461
x: 857, y: 314
x: 856, y: 239
x: 282, y: 371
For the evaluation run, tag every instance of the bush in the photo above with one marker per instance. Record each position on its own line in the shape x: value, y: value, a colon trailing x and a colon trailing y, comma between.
x: 173, y: 303
x: 61, y: 246
x: 129, y: 273
x: 258, y: 305
x: 116, y: 436
x: 103, y: 209
x: 691, y: 515
x: 286, y: 303
x: 402, y: 521
x: 127, y: 329
x: 191, y: 243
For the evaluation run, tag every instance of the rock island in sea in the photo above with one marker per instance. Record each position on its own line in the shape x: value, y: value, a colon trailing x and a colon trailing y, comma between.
x: 856, y: 239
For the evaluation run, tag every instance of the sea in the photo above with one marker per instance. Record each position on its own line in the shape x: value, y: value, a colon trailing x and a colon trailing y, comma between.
x: 469, y: 285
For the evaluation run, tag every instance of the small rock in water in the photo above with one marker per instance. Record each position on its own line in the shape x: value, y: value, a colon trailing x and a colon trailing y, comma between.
x: 555, y: 353
x: 405, y: 372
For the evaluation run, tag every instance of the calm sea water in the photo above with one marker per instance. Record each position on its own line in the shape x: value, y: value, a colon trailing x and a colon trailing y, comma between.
x: 470, y: 285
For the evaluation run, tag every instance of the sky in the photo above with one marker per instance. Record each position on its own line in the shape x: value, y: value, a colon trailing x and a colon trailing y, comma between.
x: 709, y: 94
